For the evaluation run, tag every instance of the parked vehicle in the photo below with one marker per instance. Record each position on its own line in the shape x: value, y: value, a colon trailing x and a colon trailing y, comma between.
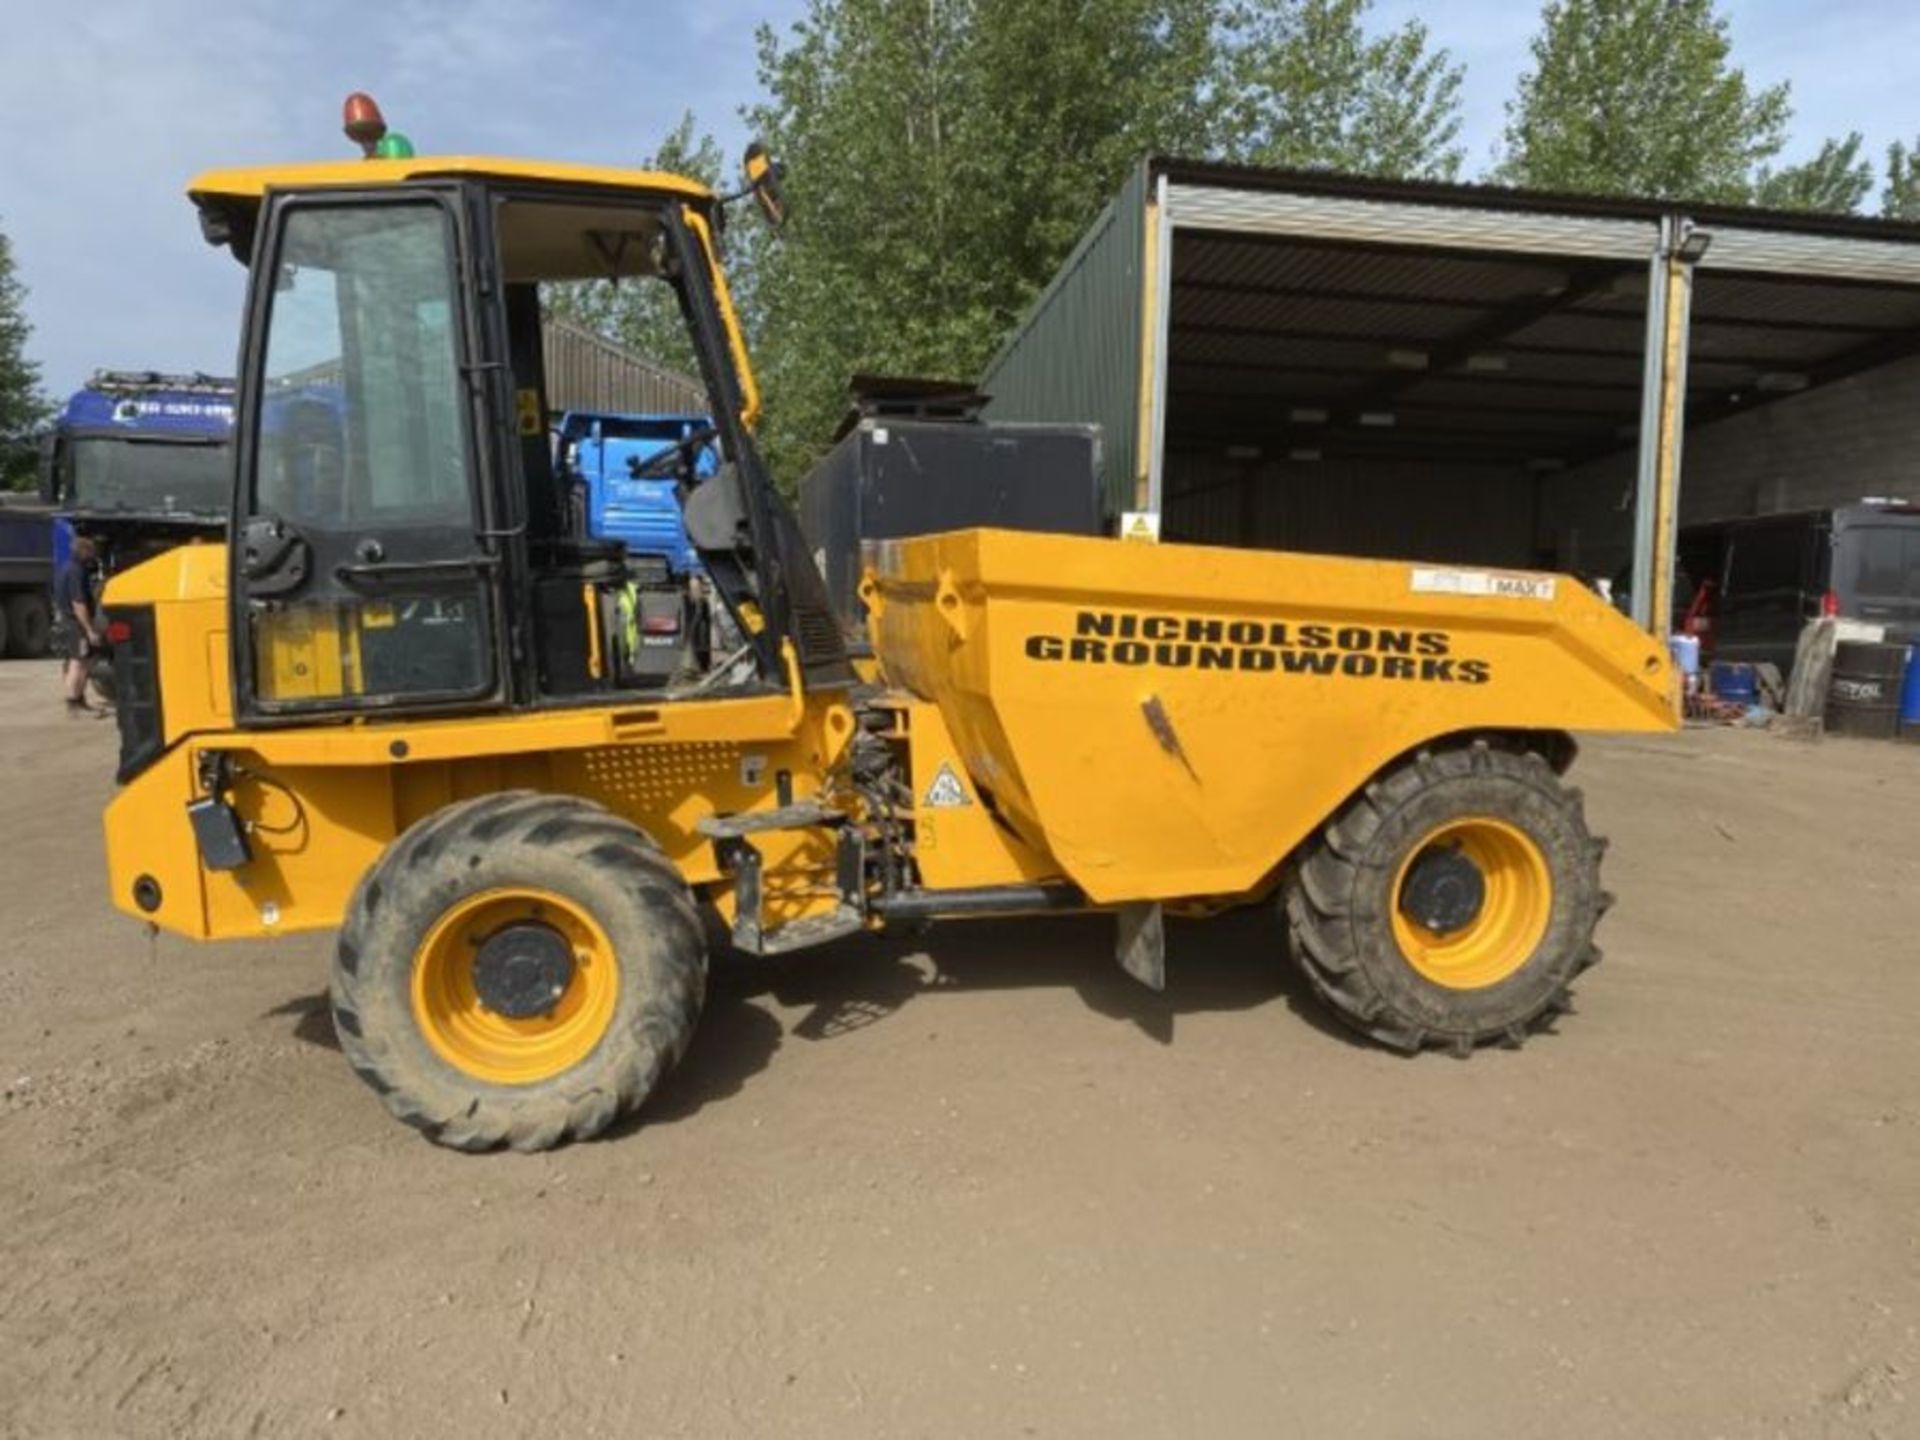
x: 624, y: 474
x: 360, y: 724
x: 1770, y: 574
x: 141, y: 461
x: 26, y: 573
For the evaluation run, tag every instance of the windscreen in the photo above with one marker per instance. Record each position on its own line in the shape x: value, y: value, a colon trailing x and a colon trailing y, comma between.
x: 149, y: 477
x: 1878, y: 568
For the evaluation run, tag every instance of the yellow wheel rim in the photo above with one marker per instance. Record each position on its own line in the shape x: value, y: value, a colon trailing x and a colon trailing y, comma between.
x: 495, y: 1047
x: 1513, y: 914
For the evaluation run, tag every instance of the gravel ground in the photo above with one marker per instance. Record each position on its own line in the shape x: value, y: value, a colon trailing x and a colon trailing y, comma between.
x: 975, y: 1183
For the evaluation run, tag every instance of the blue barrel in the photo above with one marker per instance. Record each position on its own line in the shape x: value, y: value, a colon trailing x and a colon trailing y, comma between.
x: 1910, y: 697
x: 1735, y: 680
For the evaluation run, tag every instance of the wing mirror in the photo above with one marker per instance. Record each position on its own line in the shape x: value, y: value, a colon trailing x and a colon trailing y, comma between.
x: 763, y: 174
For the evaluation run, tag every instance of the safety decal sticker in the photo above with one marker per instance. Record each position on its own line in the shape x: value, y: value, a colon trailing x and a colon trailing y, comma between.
x: 946, y: 792
x: 1483, y: 582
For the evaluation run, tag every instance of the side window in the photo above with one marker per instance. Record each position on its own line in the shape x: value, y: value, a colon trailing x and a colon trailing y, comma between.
x: 360, y: 426
x: 1888, y: 561
x: 1767, y: 559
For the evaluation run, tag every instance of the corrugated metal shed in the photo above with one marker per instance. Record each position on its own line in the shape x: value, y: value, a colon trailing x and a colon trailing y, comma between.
x: 587, y: 372
x: 1078, y: 351
x: 1276, y: 356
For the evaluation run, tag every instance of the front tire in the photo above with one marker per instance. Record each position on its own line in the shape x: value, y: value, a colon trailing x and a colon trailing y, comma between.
x: 520, y: 970
x: 1451, y: 902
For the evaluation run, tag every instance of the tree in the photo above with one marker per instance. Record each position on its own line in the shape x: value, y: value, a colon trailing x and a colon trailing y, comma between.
x: 943, y: 156
x: 1901, y: 199
x: 643, y: 315
x: 22, y: 407
x: 1640, y: 97
x: 1836, y: 180
x: 1309, y: 87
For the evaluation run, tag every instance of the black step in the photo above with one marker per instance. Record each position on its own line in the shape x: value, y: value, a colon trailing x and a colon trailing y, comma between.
x: 803, y: 815
x: 814, y: 930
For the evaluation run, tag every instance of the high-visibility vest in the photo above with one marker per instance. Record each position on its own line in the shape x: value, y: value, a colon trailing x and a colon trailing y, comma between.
x: 627, y: 611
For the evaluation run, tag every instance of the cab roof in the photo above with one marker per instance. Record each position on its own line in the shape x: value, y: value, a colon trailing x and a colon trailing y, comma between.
x: 252, y: 183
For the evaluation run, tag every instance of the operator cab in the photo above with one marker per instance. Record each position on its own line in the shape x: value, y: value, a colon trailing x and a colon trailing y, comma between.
x: 403, y: 539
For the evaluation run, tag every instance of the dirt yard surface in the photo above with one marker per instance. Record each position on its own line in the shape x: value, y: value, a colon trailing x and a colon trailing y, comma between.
x: 977, y: 1184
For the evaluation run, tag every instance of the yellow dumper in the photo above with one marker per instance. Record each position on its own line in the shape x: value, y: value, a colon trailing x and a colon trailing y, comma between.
x: 399, y: 704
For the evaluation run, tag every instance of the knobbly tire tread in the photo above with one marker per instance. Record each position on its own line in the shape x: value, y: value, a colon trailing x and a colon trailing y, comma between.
x: 1337, y: 902
x: 559, y: 842
x: 28, y: 627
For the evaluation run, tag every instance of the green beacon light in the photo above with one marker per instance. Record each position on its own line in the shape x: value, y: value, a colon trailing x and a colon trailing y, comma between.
x: 393, y: 146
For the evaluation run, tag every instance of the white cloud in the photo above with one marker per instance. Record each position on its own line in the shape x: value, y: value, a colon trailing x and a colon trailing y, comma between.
x: 124, y: 100
x: 109, y: 106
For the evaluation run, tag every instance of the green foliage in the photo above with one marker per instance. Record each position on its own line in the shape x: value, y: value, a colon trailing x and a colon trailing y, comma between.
x: 1310, y: 87
x: 1639, y: 97
x: 643, y: 315
x: 943, y: 156
x: 1901, y: 199
x: 22, y: 407
x: 1836, y: 180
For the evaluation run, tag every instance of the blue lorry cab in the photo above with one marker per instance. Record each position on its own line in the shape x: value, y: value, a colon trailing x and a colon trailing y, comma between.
x: 597, y: 452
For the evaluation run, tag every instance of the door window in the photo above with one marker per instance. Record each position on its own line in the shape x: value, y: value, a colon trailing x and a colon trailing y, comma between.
x: 362, y: 418
x: 362, y: 461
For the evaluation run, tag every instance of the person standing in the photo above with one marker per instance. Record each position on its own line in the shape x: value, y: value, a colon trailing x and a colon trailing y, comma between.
x: 76, y: 627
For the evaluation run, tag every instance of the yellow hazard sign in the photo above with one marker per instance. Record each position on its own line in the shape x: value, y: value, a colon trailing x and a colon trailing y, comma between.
x: 532, y: 422
x: 1140, y: 525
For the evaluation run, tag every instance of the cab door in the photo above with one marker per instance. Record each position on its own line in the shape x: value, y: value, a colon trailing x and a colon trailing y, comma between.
x: 360, y: 574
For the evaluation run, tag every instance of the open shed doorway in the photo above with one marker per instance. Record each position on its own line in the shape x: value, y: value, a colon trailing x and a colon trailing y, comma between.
x: 1803, y: 395
x: 1381, y: 400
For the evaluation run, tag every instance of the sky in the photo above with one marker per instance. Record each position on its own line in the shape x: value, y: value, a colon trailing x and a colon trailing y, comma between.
x: 119, y: 102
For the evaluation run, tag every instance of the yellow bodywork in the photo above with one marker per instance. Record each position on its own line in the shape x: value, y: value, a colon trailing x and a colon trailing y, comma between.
x: 1145, y: 722
x: 1166, y: 722
x: 323, y: 800
x: 253, y: 182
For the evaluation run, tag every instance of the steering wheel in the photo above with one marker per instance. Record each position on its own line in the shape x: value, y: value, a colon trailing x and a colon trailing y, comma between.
x: 676, y: 460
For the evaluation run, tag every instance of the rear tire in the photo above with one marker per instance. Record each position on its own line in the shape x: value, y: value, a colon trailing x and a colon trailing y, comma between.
x: 407, y: 994
x: 28, y: 631
x: 1494, y: 976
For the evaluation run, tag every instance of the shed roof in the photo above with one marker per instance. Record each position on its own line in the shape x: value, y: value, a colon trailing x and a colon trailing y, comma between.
x: 1478, y: 195
x: 1393, y: 346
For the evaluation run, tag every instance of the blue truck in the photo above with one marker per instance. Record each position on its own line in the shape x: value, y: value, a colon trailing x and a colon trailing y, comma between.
x: 26, y: 573
x: 598, y: 454
x: 141, y: 461
x: 604, y: 460
x: 136, y: 459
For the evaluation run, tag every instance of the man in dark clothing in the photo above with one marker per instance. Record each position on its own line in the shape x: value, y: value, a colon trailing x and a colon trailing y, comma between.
x: 76, y: 628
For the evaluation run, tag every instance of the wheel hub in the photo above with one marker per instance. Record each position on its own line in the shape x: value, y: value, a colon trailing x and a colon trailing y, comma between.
x: 523, y: 969
x: 1444, y: 891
